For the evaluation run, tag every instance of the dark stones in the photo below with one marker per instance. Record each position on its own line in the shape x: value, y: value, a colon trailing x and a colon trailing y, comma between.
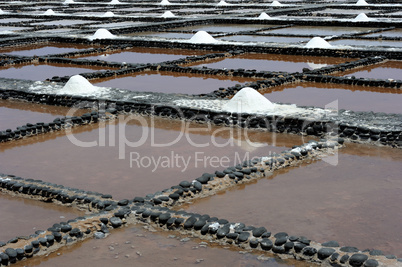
x: 222, y: 232
x: 371, y: 263
x: 189, y: 223
x: 197, y: 185
x: 278, y: 249
x: 220, y: 174
x: 164, y: 217
x: 344, y: 258
x: 185, y: 184
x: 198, y: 225
x: 266, y: 244
x: 376, y: 252
x: 357, y: 259
x: 299, y: 247
x: 66, y: 228
x: 75, y: 232
x: 4, y: 258
x: 243, y: 237
x: 309, y: 251
x: 174, y: 196
x: 254, y: 243
x: 257, y: 232
x: 281, y: 240
x: 332, y: 244
x: 138, y: 199
x: 324, y: 253
x: 349, y: 249
x: 115, y: 222
x: 233, y: 236
x: 123, y: 202
x: 11, y: 253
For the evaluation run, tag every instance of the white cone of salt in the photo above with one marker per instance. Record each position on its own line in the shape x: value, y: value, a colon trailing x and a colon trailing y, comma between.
x: 202, y: 37
x: 318, y: 42
x: 78, y: 85
x: 248, y: 100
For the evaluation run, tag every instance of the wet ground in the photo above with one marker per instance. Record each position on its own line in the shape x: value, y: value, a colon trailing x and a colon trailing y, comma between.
x: 170, y: 82
x: 351, y: 198
x: 132, y: 160
x: 386, y: 70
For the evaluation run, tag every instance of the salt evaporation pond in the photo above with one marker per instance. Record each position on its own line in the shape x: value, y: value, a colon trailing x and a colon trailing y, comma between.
x: 261, y: 38
x: 354, y: 42
x: 63, y: 22
x: 386, y: 70
x: 224, y: 27
x: 92, y: 168
x: 272, y: 62
x: 136, y: 246
x: 356, y: 98
x: 41, y: 72
x: 146, y: 55
x: 43, y: 49
x: 170, y: 82
x: 22, y: 217
x: 355, y: 202
x: 19, y: 113
x: 316, y: 30
x: 392, y: 33
x: 174, y: 35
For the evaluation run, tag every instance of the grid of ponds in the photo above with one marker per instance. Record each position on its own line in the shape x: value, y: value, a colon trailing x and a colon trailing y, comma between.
x: 158, y: 165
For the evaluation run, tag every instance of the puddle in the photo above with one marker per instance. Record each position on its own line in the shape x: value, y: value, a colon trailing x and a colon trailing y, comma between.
x: 367, y: 42
x: 355, y: 202
x: 392, y: 33
x: 42, y: 49
x: 173, y: 35
x: 170, y: 82
x: 320, y: 31
x: 387, y: 70
x: 356, y: 98
x: 136, y: 246
x: 224, y: 27
x: 272, y: 62
x: 18, y: 113
x: 41, y: 72
x: 137, y: 172
x: 147, y: 55
x: 63, y: 22
x: 265, y: 39
x: 24, y: 216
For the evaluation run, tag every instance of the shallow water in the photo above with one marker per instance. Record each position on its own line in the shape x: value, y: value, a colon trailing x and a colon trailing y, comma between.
x: 170, y: 82
x: 366, y: 42
x: 272, y: 62
x: 63, y: 22
x: 41, y: 72
x: 42, y: 49
x: 139, y: 247
x: 162, y: 35
x: 392, y: 33
x: 224, y: 27
x: 146, y: 55
x: 18, y: 113
x: 265, y: 39
x: 124, y: 162
x: 386, y: 70
x: 354, y: 202
x: 21, y: 216
x: 319, y: 31
x: 356, y: 98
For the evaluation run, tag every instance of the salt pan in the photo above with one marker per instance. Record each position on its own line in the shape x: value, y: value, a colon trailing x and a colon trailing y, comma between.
x: 202, y: 37
x: 248, y: 100
x: 276, y: 3
x: 2, y: 12
x: 264, y: 15
x: 168, y: 14
x: 222, y: 3
x: 68, y: 2
x: 102, y: 34
x: 318, y: 42
x: 78, y: 85
x: 114, y: 2
x: 108, y: 14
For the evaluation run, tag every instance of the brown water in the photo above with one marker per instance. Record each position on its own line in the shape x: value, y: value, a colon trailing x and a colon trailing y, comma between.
x: 356, y: 98
x: 355, y: 202
x: 146, y: 55
x: 56, y: 159
x: 135, y: 246
x: 387, y: 70
x: 366, y: 42
x: 271, y: 62
x: 265, y: 39
x: 22, y: 217
x: 320, y: 31
x: 42, y: 49
x: 170, y: 82
x: 18, y: 113
x: 41, y: 72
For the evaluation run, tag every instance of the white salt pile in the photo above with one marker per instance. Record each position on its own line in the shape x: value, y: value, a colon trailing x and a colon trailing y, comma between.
x: 2, y: 12
x: 248, y: 100
x: 202, y: 37
x: 108, y: 14
x: 68, y: 2
x: 318, y: 42
x: 165, y: 3
x: 114, y: 2
x: 361, y: 3
x: 102, y: 34
x: 314, y: 66
x: 275, y: 3
x: 362, y: 17
x: 49, y: 12
x: 264, y: 15
x: 222, y: 3
x: 78, y: 85
x: 168, y: 14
